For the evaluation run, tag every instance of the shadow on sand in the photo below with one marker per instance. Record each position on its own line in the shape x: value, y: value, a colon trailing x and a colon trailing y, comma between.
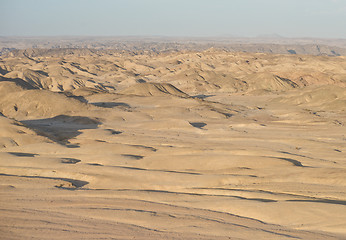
x: 110, y: 104
x: 62, y: 128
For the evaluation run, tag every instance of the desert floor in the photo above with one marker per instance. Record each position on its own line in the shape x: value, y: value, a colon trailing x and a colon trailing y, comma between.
x: 186, y: 145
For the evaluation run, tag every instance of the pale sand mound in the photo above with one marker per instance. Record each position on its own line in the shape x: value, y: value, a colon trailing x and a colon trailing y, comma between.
x: 268, y: 82
x: 327, y: 97
x: 59, y: 79
x: 17, y: 102
x: 37, y: 79
x: 154, y: 89
x: 86, y: 91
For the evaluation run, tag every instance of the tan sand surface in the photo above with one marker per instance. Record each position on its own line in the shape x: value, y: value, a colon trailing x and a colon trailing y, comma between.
x: 179, y: 145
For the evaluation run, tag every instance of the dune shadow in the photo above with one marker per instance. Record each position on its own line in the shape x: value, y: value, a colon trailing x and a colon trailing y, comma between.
x: 199, y: 125
x: 132, y: 156
x: 62, y: 128
x: 95, y: 164
x: 79, y: 98
x: 329, y: 201
x: 110, y: 104
x: 203, y: 96
x: 293, y: 161
x: 22, y: 154
x: 70, y: 160
x: 114, y: 132
x: 76, y: 184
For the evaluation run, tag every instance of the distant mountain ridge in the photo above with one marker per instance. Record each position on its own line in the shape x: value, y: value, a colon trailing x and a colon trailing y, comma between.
x: 331, y: 47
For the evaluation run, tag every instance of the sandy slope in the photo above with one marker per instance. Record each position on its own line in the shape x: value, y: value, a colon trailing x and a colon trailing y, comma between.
x: 258, y: 153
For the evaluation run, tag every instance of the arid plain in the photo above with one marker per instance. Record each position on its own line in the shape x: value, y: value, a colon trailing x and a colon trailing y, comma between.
x: 102, y: 144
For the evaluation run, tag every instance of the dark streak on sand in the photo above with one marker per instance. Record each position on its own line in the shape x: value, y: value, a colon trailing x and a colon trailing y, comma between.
x: 70, y: 160
x: 76, y: 183
x: 131, y: 156
x: 21, y: 154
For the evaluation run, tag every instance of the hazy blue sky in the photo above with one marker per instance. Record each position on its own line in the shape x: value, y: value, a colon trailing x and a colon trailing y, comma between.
x: 290, y: 18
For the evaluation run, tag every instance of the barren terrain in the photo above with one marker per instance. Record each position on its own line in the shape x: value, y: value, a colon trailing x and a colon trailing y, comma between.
x: 106, y: 144
x: 261, y: 44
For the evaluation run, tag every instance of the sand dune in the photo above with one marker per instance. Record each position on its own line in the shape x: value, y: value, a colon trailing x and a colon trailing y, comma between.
x: 154, y: 89
x: 38, y: 104
x: 177, y: 145
x: 322, y: 98
x: 192, y: 72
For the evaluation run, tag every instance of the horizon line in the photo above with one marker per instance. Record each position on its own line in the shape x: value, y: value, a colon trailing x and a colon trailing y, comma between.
x: 264, y: 36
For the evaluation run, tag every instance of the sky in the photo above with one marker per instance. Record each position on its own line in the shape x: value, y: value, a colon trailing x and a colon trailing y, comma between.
x: 190, y: 18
